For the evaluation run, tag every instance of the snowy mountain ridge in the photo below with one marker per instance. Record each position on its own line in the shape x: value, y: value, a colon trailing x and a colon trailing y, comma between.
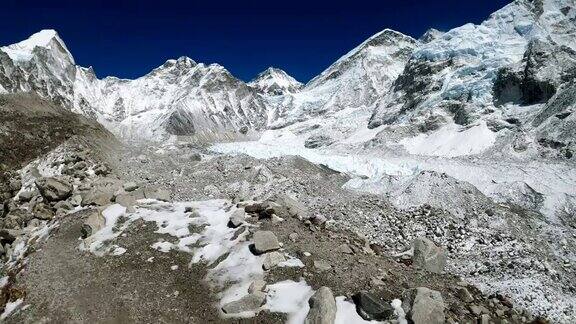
x: 466, y: 76
x: 274, y: 81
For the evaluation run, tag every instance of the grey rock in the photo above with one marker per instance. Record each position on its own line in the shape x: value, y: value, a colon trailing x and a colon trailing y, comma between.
x: 322, y: 307
x: 485, y: 319
x: 265, y: 241
x: 256, y: 286
x: 127, y: 200
x: 152, y: 192
x: 130, y: 186
x: 27, y: 195
x: 322, y: 265
x: 294, y: 207
x: 10, y: 235
x: 17, y: 218
x: 250, y: 302
x: 464, y: 295
x: 63, y: 207
x: 35, y: 223
x: 272, y: 259
x: 237, y: 218
x: 94, y: 222
x: 371, y: 308
x: 101, y: 170
x: 15, y: 185
x: 254, y: 207
x: 76, y: 200
x: 477, y: 310
x: 423, y: 306
x: 270, y: 208
x: 345, y: 248
x: 42, y: 211
x: 54, y: 189
x: 12, y: 222
x: 428, y: 256
x: 316, y: 141
x: 81, y: 165
x: 98, y: 196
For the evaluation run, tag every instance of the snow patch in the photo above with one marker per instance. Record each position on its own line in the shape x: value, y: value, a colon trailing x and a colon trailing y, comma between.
x: 289, y: 297
x: 10, y: 308
x: 451, y: 141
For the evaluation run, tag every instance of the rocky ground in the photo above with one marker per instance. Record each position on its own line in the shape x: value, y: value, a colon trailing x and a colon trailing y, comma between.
x: 291, y: 199
x: 93, y: 231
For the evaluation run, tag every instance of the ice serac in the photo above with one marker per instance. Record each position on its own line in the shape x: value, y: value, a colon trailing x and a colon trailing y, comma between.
x: 356, y: 80
x: 275, y: 82
x: 453, y: 74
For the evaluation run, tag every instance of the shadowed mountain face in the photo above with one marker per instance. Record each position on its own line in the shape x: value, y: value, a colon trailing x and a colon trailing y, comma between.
x: 31, y: 126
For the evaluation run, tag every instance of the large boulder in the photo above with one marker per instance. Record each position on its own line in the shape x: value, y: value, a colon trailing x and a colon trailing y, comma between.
x: 127, y: 200
x: 98, y: 196
x: 17, y: 218
x: 27, y: 195
x: 272, y: 259
x: 423, y: 306
x: 152, y: 192
x: 428, y: 256
x: 54, y: 188
x: 371, y: 308
x: 293, y: 207
x: 42, y: 211
x: 248, y: 303
x: 265, y: 241
x: 130, y: 186
x: 322, y: 307
x: 237, y: 218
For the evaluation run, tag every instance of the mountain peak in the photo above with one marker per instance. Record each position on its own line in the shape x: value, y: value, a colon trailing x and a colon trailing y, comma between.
x: 430, y: 35
x: 275, y: 81
x: 46, y: 38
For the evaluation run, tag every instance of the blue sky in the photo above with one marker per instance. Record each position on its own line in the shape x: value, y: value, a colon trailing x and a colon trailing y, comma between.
x: 129, y: 38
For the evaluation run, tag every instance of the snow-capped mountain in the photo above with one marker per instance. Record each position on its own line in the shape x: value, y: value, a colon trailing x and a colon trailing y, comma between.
x: 181, y: 97
x: 355, y: 80
x: 274, y: 81
x: 41, y: 64
x: 512, y: 73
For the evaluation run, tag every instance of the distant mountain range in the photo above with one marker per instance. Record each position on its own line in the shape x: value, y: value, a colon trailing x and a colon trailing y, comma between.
x: 515, y: 71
